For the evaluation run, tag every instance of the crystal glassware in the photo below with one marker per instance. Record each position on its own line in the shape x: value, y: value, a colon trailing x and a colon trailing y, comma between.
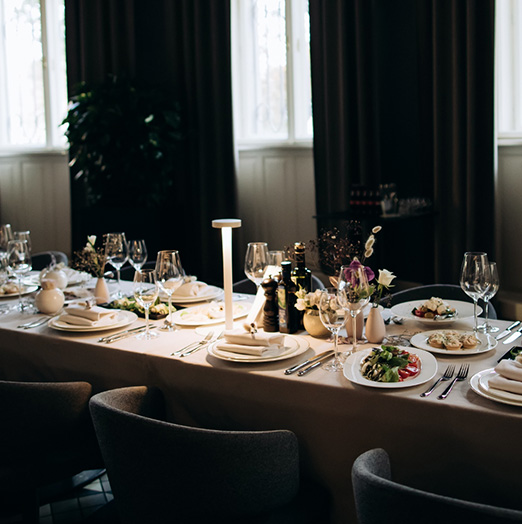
x: 117, y: 254
x: 333, y: 316
x: 169, y: 273
x: 475, y: 278
x: 19, y: 263
x: 488, y: 295
x: 146, y: 292
x: 137, y: 253
x: 23, y: 235
x: 354, y: 293
x: 256, y: 262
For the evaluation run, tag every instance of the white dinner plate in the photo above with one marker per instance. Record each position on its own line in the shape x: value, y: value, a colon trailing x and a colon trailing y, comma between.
x: 211, y: 292
x: 352, y: 370
x: 26, y: 291
x: 123, y: 319
x: 486, y: 343
x: 208, y: 314
x: 464, y: 311
x: 294, y: 345
x: 480, y: 384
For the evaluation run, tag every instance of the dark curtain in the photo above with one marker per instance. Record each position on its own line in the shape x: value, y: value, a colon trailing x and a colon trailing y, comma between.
x: 403, y: 92
x: 182, y: 46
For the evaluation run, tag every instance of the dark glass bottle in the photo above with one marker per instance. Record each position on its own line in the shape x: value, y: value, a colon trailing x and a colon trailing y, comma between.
x: 301, y: 275
x: 286, y: 300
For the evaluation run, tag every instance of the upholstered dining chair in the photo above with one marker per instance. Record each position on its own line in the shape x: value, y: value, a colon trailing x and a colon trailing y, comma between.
x: 163, y: 472
x: 379, y: 499
x: 47, y: 436
x: 44, y: 259
x: 444, y: 291
x: 247, y: 286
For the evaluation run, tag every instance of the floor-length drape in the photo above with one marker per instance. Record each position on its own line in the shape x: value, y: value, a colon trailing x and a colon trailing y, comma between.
x: 403, y: 92
x: 182, y: 46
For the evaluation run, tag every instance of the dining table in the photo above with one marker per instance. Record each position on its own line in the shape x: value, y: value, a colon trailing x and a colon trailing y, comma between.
x: 466, y: 445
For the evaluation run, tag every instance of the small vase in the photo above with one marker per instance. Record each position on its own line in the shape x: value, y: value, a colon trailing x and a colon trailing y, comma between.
x: 359, y: 320
x: 101, y: 291
x: 49, y: 300
x: 313, y: 325
x: 375, y: 327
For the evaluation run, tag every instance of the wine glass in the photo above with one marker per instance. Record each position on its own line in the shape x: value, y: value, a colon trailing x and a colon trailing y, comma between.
x: 146, y: 292
x: 256, y: 262
x: 169, y: 274
x: 488, y: 295
x: 333, y: 316
x: 23, y: 235
x: 6, y: 234
x: 354, y: 293
x: 117, y: 254
x: 19, y: 263
x: 475, y: 277
x: 137, y: 253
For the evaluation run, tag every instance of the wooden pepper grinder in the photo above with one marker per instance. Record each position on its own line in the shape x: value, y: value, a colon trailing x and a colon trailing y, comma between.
x: 270, y: 310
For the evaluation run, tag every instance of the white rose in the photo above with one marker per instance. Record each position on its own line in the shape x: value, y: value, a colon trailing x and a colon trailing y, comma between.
x: 300, y: 304
x: 385, y: 277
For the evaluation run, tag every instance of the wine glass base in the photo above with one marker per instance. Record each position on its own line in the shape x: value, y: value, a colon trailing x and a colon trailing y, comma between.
x: 487, y: 329
x: 333, y: 366
x: 147, y: 335
x: 169, y: 327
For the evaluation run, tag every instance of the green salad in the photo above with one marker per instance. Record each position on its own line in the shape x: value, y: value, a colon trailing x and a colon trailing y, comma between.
x: 390, y: 364
x: 156, y: 311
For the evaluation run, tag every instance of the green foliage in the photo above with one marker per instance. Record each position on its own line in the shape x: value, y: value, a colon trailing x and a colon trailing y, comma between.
x: 125, y: 141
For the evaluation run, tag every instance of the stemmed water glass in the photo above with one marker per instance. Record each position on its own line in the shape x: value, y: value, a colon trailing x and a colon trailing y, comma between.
x: 24, y: 235
x: 475, y: 278
x: 117, y: 254
x: 256, y: 262
x: 137, y: 253
x: 488, y: 295
x: 354, y: 293
x: 169, y: 274
x: 333, y: 316
x: 19, y: 263
x: 146, y: 292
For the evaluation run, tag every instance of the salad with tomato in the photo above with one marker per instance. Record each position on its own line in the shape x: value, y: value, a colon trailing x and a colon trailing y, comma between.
x: 390, y: 364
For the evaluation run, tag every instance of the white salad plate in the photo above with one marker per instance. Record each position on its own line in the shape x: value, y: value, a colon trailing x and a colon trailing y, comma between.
x: 293, y: 346
x: 464, y: 311
x: 211, y: 292
x: 208, y: 314
x: 480, y: 384
x: 352, y: 370
x: 123, y: 319
x: 27, y: 291
x: 486, y: 343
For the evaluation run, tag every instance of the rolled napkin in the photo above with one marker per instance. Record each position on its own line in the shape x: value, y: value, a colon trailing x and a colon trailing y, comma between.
x: 191, y: 289
x: 510, y: 369
x: 241, y: 337
x: 505, y: 384
x: 83, y: 316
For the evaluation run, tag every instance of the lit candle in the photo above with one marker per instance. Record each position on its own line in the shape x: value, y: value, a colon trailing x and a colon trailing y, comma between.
x: 226, y: 225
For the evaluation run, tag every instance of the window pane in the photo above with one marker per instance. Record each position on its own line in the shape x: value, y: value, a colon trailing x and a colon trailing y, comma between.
x: 23, y: 97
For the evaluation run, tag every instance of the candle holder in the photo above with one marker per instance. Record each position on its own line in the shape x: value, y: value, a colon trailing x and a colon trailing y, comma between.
x: 226, y: 225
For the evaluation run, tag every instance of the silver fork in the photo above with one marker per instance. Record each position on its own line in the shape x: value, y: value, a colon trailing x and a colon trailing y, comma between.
x: 202, y: 345
x: 461, y: 375
x: 35, y: 323
x: 447, y: 375
x: 207, y: 338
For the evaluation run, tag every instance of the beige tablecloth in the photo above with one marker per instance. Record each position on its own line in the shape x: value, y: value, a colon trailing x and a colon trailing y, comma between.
x: 465, y: 445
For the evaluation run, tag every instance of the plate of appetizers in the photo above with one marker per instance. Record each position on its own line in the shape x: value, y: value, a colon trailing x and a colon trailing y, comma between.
x: 11, y: 290
x: 453, y: 342
x: 390, y: 367
x: 434, y: 310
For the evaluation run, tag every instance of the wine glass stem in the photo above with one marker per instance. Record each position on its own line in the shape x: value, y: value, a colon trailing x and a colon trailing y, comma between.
x: 486, y: 323
x: 354, y: 332
x: 336, y: 345
x: 170, y: 308
x: 146, y: 322
x: 20, y: 303
x: 475, y: 301
x: 118, y: 277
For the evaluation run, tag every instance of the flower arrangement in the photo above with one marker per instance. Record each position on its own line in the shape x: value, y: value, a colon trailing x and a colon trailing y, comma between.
x: 90, y: 259
x: 308, y: 301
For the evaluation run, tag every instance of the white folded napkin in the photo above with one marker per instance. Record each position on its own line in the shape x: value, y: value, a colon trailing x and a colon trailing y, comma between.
x: 240, y: 336
x: 258, y: 351
x: 510, y: 369
x: 82, y: 316
x: 505, y: 384
x: 191, y: 289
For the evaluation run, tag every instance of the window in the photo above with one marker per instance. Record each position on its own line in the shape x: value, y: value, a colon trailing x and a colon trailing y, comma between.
x: 33, y: 91
x: 271, y: 71
x: 509, y: 68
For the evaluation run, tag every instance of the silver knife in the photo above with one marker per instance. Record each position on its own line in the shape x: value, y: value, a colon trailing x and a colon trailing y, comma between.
x: 297, y: 367
x: 513, y: 336
x: 315, y: 365
x: 123, y: 334
x: 507, y: 331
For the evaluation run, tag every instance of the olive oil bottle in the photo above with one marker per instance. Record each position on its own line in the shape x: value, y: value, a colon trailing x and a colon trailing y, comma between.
x: 286, y: 300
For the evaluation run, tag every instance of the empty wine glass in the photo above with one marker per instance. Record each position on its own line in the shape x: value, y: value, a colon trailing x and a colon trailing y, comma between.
x: 354, y: 293
x: 137, y: 253
x: 488, y: 295
x: 169, y: 274
x: 19, y: 263
x: 117, y: 254
x: 146, y: 292
x: 256, y: 262
x: 6, y: 234
x: 23, y: 235
x: 333, y: 316
x: 475, y: 278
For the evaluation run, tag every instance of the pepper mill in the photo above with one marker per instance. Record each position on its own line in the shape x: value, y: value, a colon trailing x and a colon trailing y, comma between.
x: 270, y: 310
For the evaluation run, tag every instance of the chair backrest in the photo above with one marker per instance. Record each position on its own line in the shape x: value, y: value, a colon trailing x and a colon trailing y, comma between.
x: 44, y: 259
x: 379, y: 499
x: 444, y: 291
x: 164, y: 472
x: 247, y: 286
